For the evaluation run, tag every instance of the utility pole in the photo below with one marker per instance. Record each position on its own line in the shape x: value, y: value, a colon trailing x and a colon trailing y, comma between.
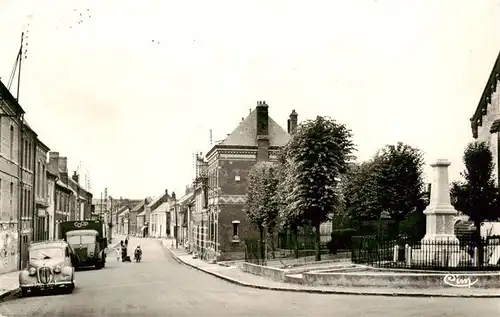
x: 176, y: 231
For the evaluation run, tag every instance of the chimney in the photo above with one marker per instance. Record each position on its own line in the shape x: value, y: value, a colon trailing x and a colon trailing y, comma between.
x: 53, y: 156
x: 75, y: 177
x: 292, y: 122
x: 63, y: 164
x: 173, y: 195
x: 262, y: 131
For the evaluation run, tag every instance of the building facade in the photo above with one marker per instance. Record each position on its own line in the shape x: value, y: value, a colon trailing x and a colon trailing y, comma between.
x: 42, y: 202
x: 220, y: 225
x: 51, y: 187
x: 160, y: 221
x: 10, y: 170
x: 485, y: 123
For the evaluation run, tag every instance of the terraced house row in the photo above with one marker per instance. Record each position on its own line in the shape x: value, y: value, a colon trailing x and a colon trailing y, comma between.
x: 35, y: 192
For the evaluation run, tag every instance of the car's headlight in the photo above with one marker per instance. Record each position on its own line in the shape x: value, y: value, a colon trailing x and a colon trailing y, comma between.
x: 32, y: 271
x: 57, y: 269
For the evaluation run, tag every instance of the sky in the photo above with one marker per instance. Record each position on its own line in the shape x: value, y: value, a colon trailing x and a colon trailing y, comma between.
x: 133, y: 90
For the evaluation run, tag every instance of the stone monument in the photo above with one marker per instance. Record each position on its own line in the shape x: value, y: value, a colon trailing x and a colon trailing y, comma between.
x: 440, y: 246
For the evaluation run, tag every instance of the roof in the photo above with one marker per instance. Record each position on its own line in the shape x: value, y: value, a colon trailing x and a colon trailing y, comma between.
x: 186, y: 198
x: 142, y: 213
x: 42, y: 145
x: 162, y: 208
x: 154, y: 201
x: 61, y: 184
x: 138, y: 206
x: 12, y: 102
x: 123, y: 210
x: 485, y: 99
x: 123, y: 213
x: 245, y: 133
x: 28, y: 128
x: 47, y: 244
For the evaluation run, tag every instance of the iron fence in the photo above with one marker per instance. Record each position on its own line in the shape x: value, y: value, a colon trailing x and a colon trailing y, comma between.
x: 449, y: 254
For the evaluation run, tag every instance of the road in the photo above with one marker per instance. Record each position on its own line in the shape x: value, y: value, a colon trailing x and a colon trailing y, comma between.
x: 159, y: 286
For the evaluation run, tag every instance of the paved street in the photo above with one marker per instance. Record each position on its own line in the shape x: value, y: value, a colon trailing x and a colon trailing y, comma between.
x: 159, y: 286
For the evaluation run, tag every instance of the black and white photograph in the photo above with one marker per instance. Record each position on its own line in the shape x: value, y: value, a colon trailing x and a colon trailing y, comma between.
x: 236, y: 158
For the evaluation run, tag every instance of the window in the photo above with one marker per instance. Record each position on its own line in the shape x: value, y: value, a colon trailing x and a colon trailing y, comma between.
x: 236, y: 224
x: 44, y: 182
x: 29, y: 156
x: 11, y: 193
x: 28, y: 208
x: 38, y: 180
x: 25, y: 151
x: 25, y: 202
x: 11, y: 142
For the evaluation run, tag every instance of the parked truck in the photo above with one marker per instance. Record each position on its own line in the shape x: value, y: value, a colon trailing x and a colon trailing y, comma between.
x: 87, y: 241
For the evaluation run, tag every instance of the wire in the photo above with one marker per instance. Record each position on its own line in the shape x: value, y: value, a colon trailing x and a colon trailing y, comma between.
x: 13, y: 73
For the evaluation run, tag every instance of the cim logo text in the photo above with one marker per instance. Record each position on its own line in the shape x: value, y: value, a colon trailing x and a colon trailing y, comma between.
x: 459, y: 280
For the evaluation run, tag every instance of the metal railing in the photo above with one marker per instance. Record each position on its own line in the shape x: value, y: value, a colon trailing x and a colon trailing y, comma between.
x: 448, y: 255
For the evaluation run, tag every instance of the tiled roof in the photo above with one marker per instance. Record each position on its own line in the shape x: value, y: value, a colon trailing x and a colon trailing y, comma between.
x: 138, y: 206
x: 162, y: 208
x: 155, y: 200
x: 246, y: 133
x: 60, y: 183
x: 485, y: 99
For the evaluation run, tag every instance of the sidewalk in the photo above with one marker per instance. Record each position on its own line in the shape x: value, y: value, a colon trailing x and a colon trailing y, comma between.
x: 234, y: 275
x: 9, y: 282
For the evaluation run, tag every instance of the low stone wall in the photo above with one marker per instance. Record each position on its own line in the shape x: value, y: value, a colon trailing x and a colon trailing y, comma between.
x: 403, y: 280
x: 266, y: 271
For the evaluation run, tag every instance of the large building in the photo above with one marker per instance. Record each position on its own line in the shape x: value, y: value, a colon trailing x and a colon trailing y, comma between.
x: 219, y: 223
x: 485, y: 122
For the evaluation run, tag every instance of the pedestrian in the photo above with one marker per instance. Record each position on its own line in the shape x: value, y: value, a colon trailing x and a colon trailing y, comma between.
x: 126, y: 241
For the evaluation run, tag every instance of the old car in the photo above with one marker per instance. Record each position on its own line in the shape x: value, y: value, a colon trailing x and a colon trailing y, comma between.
x: 50, y: 266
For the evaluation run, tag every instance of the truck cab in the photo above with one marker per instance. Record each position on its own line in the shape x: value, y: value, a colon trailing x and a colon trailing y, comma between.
x: 86, y: 242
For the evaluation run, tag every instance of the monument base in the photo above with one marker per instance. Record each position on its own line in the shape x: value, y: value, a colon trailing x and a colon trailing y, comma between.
x: 438, y: 251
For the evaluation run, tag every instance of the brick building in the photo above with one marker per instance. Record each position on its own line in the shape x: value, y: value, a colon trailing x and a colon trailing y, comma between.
x: 485, y: 123
x: 220, y: 225
x: 10, y: 202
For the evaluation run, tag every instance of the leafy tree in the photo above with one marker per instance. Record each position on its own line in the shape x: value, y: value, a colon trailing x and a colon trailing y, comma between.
x: 318, y: 153
x: 261, y: 205
x: 400, y: 186
x: 360, y: 192
x: 477, y: 196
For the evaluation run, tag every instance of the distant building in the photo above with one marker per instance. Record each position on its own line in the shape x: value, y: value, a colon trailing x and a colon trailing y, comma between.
x: 219, y: 223
x: 485, y: 123
x: 42, y: 221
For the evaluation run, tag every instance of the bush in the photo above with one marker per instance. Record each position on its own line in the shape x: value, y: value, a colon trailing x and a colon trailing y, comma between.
x: 341, y: 240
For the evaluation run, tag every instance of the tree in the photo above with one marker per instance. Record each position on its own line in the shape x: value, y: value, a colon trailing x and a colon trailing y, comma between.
x: 360, y: 192
x: 318, y: 153
x: 477, y: 196
x: 400, y: 186
x: 261, y: 206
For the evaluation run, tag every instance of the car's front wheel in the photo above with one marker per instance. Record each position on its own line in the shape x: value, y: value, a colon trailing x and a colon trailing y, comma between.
x: 24, y: 291
x: 70, y: 288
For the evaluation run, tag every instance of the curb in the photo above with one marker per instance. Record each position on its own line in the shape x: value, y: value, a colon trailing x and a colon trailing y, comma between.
x: 9, y: 293
x: 336, y: 292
